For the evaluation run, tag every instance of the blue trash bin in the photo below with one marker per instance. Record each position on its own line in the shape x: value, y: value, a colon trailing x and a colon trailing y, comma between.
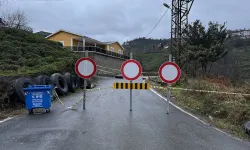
x: 38, y: 97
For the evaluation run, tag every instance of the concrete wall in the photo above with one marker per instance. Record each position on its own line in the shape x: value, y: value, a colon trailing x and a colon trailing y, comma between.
x: 105, y: 64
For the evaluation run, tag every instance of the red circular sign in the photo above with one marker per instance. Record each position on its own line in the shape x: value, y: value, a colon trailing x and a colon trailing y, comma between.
x: 169, y: 72
x: 85, y: 67
x: 131, y: 70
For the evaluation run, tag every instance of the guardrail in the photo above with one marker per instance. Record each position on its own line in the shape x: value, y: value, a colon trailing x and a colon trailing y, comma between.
x: 96, y: 49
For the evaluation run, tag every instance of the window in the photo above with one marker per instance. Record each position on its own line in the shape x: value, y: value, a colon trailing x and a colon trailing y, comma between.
x: 112, y: 49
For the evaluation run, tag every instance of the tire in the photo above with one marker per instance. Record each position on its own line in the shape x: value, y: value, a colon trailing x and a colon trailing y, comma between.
x: 74, y: 82
x: 82, y: 83
x: 78, y: 82
x: 69, y: 79
x: 247, y: 127
x: 59, y: 82
x: 119, y: 76
x: 19, y: 84
x: 89, y: 84
x: 31, y: 112
x: 42, y: 80
x: 48, y: 111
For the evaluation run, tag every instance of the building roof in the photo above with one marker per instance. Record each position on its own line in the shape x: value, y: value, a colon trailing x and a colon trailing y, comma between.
x: 88, y: 38
x: 43, y: 33
x: 112, y: 42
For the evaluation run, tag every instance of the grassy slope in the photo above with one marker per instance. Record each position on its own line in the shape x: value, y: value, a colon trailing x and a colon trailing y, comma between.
x: 244, y: 54
x: 142, y: 45
x: 24, y: 53
x: 229, y: 112
x: 151, y: 61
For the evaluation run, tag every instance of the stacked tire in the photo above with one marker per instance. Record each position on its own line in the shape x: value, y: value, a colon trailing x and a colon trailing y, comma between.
x: 71, y: 81
x: 247, y: 127
x: 63, y: 84
x: 89, y: 84
x: 60, y: 84
x: 19, y: 84
x: 43, y: 80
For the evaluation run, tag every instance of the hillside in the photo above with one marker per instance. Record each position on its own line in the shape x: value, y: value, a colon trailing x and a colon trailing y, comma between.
x: 235, y: 65
x: 151, y: 61
x: 24, y: 53
x: 140, y: 45
x: 151, y: 53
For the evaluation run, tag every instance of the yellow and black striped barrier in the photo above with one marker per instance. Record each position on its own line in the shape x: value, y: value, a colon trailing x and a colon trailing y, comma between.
x: 138, y: 86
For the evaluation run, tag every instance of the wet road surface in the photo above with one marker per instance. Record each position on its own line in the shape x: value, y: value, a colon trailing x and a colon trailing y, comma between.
x: 107, y: 124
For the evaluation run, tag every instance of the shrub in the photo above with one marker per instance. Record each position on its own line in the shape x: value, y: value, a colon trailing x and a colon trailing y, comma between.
x: 25, y: 53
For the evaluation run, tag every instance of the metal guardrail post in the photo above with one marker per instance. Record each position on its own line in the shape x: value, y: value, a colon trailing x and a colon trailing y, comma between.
x: 96, y: 49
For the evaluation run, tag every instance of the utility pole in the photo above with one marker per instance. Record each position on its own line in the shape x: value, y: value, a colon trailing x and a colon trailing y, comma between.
x: 179, y: 20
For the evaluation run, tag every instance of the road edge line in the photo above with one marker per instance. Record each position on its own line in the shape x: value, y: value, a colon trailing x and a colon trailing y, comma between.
x: 6, y: 119
x: 182, y: 110
x: 191, y: 115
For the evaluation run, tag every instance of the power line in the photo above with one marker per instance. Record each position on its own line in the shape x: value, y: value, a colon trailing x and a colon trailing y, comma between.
x: 157, y: 23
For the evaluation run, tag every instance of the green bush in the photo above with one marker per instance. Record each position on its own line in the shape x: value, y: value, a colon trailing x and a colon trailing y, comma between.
x: 24, y: 53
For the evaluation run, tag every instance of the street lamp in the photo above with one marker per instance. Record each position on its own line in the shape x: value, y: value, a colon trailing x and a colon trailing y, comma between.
x: 166, y: 5
x: 170, y: 54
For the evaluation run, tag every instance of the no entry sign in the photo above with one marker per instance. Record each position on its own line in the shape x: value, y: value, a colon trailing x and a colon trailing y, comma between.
x: 169, y: 72
x: 85, y: 67
x: 131, y: 70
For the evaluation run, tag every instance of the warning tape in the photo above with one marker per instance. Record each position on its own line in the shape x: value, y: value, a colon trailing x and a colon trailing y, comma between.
x: 105, y: 71
x: 58, y: 99
x: 153, y: 76
x: 107, y: 68
x: 120, y: 70
x: 96, y: 89
x: 77, y: 102
x: 202, y: 91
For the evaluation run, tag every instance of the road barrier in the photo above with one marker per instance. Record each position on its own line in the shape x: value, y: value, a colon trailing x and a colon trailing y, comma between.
x: 138, y: 86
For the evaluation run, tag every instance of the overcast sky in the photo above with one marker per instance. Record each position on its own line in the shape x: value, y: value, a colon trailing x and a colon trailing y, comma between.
x: 121, y: 20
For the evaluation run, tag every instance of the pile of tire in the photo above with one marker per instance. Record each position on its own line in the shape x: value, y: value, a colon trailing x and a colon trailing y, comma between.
x: 247, y: 127
x: 62, y: 83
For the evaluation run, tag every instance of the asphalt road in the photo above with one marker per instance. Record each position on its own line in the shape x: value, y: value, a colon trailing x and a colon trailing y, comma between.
x: 107, y: 124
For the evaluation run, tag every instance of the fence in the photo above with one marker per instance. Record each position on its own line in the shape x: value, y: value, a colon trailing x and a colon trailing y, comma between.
x: 96, y: 49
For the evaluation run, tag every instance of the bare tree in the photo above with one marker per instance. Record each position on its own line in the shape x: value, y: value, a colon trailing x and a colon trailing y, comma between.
x: 16, y: 19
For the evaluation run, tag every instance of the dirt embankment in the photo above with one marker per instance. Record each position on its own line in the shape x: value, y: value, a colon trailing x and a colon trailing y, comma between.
x: 8, y: 105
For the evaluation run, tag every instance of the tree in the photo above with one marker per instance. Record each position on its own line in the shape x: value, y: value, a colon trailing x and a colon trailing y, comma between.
x: 16, y: 19
x: 2, y: 1
x: 205, y: 46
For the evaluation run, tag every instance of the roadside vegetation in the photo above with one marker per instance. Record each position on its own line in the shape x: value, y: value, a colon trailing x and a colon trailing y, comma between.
x: 225, y: 111
x: 214, y: 61
x: 25, y: 54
